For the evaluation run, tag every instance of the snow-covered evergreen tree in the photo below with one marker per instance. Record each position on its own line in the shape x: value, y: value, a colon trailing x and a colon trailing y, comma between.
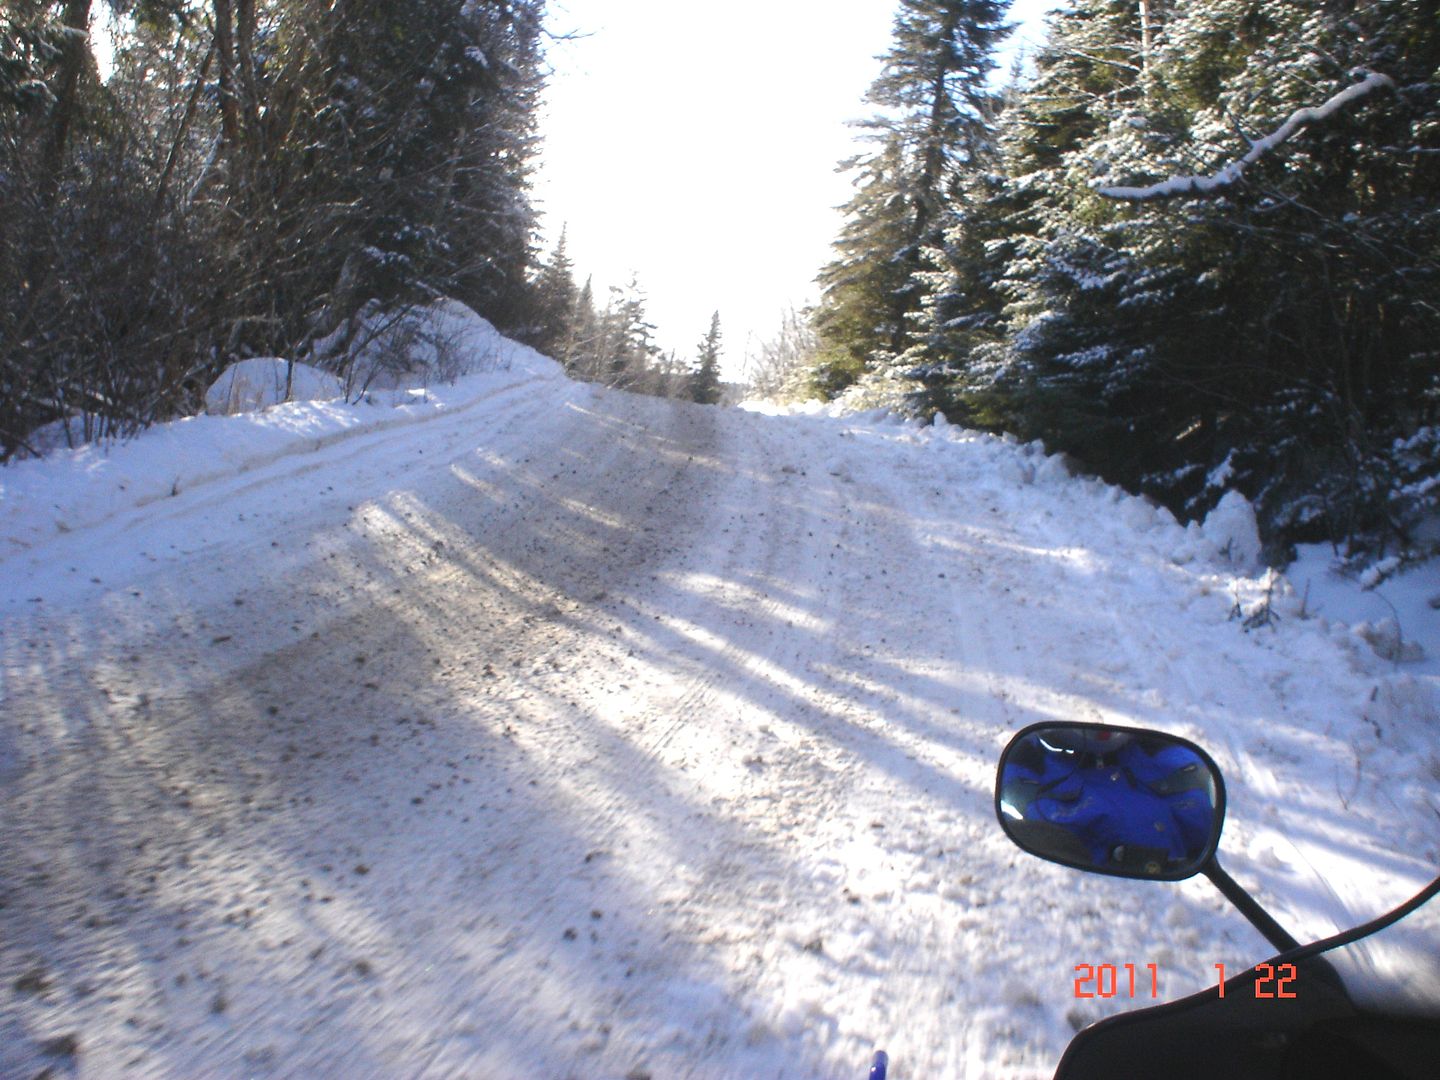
x: 578, y: 351
x: 555, y: 306
x: 862, y: 312
x: 1275, y: 332
x: 933, y: 121
x: 420, y: 154
x: 626, y: 353
x: 704, y: 383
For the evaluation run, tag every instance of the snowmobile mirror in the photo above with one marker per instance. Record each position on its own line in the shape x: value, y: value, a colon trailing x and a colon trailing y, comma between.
x: 1111, y: 800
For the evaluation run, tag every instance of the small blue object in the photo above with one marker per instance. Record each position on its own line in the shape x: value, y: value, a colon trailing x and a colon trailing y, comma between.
x: 881, y: 1063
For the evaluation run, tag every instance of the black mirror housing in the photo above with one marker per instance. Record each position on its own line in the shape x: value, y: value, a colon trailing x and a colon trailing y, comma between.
x: 1121, y: 801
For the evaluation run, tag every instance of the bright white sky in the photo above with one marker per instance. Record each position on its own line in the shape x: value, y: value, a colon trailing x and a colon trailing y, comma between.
x: 696, y: 145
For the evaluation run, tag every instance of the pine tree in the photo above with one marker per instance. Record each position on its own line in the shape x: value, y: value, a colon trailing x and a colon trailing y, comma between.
x: 705, y: 378
x: 555, y: 304
x: 959, y: 334
x: 1274, y: 330
x: 580, y: 350
x: 1248, y: 338
x: 492, y: 219
x: 934, y: 123
x: 626, y: 354
x: 1327, y: 257
x: 1021, y: 328
x: 861, y: 313
x: 424, y: 146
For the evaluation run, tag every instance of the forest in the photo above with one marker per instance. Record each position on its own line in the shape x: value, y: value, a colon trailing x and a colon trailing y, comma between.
x: 273, y: 178
x: 1195, y: 249
x: 1192, y: 244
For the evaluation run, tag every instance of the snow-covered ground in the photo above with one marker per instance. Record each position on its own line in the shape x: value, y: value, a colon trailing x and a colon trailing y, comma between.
x: 535, y: 729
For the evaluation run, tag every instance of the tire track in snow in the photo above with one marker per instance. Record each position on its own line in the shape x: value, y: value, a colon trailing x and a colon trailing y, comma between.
x: 945, y: 856
x: 382, y: 640
x: 448, y: 428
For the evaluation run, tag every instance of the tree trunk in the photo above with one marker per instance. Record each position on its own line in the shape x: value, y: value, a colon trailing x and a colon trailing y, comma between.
x: 74, y: 52
x: 1147, y: 46
x: 229, y: 98
x: 191, y: 105
x: 248, y: 84
x: 1147, y: 33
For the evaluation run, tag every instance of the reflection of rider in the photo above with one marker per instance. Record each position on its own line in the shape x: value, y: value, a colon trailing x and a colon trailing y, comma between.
x: 1133, y: 803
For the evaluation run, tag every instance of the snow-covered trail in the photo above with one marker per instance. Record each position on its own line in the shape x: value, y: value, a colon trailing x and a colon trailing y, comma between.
x: 580, y: 734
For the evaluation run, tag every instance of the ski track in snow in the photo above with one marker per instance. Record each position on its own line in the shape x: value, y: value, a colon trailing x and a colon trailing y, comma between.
x: 578, y: 734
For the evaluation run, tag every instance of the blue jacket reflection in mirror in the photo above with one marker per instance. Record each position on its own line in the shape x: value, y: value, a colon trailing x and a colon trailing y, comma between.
x: 1121, y: 801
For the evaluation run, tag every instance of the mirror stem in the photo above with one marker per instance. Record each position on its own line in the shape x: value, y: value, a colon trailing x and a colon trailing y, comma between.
x: 1258, y: 916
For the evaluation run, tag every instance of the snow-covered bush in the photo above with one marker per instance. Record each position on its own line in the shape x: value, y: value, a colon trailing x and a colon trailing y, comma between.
x: 1232, y: 528
x: 412, y: 346
x: 262, y: 381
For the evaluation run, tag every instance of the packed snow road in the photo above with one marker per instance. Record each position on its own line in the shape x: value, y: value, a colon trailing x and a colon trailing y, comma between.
x: 570, y: 733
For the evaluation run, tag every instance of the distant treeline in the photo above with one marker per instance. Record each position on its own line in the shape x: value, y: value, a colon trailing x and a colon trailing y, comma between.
x: 616, y: 344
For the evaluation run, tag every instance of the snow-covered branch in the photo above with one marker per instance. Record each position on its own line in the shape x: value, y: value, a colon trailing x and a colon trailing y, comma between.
x: 1205, y: 185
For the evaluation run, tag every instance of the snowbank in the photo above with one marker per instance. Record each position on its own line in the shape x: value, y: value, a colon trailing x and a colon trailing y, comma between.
x: 75, y: 488
x: 1397, y: 615
x: 257, y: 383
x: 1400, y: 622
x: 419, y: 346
